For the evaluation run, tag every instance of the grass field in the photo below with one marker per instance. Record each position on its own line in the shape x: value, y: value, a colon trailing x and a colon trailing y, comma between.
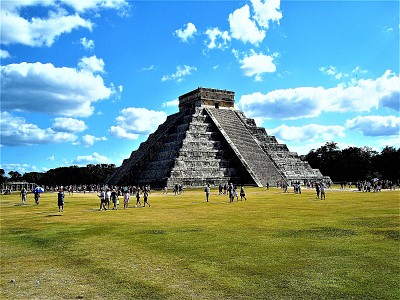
x: 272, y: 246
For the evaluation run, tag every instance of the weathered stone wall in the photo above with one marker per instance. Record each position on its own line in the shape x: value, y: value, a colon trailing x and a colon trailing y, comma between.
x: 205, y: 144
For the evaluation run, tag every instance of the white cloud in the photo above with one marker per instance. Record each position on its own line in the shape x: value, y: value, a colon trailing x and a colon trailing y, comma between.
x: 172, y: 103
x: 332, y: 71
x: 135, y: 121
x: 51, y: 158
x: 393, y: 141
x: 243, y: 28
x: 150, y: 68
x: 218, y: 39
x: 37, y: 32
x: 89, y: 140
x: 82, y: 6
x: 20, y: 168
x: 186, y: 33
x: 37, y: 87
x: 308, y: 133
x: 122, y: 133
x: 94, y: 158
x: 91, y: 64
x: 266, y: 11
x: 180, y: 73
x: 87, y: 44
x: 16, y: 132
x: 256, y: 64
x: 303, y: 102
x: 375, y: 125
x: 68, y: 125
x: 4, y: 54
x: 359, y: 70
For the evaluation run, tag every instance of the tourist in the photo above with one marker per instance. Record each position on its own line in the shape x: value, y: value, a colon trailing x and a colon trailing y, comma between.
x: 127, y: 196
x: 322, y: 190
x: 207, y: 191
x: 145, y: 196
x: 23, y: 195
x: 317, y: 190
x: 114, y: 198
x: 60, y: 200
x: 235, y: 193
x: 138, y: 198
x: 230, y: 192
x: 242, y: 193
x: 36, y: 195
x: 102, y: 197
x: 107, y: 197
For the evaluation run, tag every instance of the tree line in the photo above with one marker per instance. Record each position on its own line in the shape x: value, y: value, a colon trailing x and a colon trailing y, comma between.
x: 353, y: 163
x: 91, y: 174
x: 350, y: 164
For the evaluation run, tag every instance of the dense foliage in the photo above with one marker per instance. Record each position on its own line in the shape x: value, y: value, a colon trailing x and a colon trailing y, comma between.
x: 352, y: 163
x: 91, y: 174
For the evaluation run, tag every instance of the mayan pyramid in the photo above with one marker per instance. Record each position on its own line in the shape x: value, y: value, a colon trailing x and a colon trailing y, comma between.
x: 209, y: 141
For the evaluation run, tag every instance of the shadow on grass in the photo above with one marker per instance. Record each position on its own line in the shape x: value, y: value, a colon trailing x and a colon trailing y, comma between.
x: 318, y: 232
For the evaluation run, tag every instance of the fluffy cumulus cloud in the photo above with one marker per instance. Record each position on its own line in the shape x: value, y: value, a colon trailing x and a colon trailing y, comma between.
x: 91, y: 64
x: 15, y: 131
x: 256, y: 64
x: 94, y: 158
x: 89, y: 140
x: 44, y: 88
x: 4, y: 54
x: 359, y: 96
x: 39, y: 31
x: 244, y: 28
x: 87, y: 44
x: 266, y: 11
x: 217, y: 39
x: 308, y: 133
x: 68, y: 125
x: 375, y: 125
x: 181, y: 72
x: 184, y: 34
x: 136, y: 121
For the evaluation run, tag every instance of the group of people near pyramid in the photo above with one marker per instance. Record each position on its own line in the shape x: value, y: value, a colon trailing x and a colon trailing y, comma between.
x: 112, y: 195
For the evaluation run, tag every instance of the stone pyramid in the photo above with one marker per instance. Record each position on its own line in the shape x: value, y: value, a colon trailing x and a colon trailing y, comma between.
x: 209, y: 141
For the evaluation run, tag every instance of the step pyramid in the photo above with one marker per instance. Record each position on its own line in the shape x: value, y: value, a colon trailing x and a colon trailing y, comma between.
x: 209, y: 141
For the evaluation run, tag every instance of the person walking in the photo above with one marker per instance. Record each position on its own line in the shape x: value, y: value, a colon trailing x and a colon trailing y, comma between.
x: 107, y: 197
x: 138, y: 198
x: 242, y: 193
x: 60, y: 200
x: 102, y: 197
x: 230, y: 192
x: 145, y: 196
x: 114, y: 199
x: 36, y: 195
x: 23, y: 195
x: 317, y: 189
x: 322, y: 190
x: 207, y: 191
x: 127, y: 196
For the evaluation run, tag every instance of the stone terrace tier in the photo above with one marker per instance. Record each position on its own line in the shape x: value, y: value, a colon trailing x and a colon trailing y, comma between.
x: 209, y: 141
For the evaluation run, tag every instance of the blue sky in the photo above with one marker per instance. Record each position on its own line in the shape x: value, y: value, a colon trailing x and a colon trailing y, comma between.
x: 85, y: 82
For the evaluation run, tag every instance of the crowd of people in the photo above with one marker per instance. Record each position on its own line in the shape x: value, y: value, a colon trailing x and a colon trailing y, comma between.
x: 112, y: 194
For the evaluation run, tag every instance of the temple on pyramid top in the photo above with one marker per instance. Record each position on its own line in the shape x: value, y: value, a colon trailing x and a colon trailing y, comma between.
x: 210, y: 142
x: 207, y: 97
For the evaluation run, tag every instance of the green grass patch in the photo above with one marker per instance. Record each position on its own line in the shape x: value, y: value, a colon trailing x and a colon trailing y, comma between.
x: 273, y: 246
